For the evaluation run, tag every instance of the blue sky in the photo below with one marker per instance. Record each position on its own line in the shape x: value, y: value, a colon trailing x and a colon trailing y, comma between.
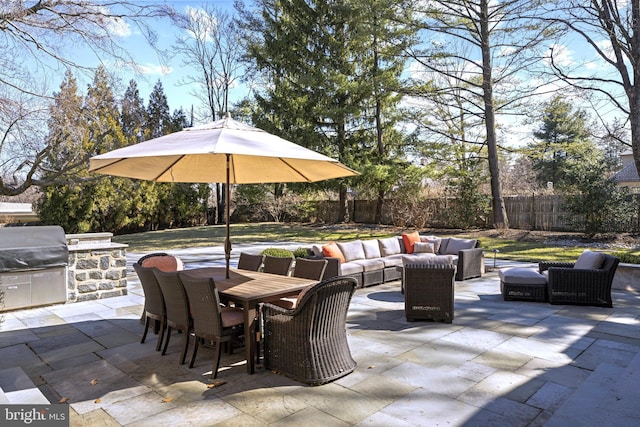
x: 152, y: 67
x: 170, y: 71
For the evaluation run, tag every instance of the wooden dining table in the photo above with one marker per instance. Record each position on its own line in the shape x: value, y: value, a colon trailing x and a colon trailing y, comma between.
x: 249, y: 289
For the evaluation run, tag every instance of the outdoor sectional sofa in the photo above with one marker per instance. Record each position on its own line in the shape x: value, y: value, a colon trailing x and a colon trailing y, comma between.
x: 376, y: 261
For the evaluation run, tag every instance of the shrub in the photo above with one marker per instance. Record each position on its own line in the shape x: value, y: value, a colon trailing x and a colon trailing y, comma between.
x: 301, y: 253
x: 627, y: 257
x: 278, y: 252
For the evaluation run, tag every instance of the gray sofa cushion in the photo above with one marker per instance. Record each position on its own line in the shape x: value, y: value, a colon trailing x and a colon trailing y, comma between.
x: 371, y: 249
x: 317, y: 250
x: 455, y: 245
x: 443, y: 246
x: 389, y: 246
x: 350, y: 268
x: 351, y: 250
x: 393, y: 260
x: 428, y: 259
x: 522, y: 276
x: 370, y: 264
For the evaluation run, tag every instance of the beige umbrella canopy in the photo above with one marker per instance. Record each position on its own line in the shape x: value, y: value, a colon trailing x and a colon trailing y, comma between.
x: 225, y: 151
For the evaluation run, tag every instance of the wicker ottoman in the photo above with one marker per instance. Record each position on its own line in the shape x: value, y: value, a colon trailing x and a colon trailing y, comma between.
x: 523, y: 284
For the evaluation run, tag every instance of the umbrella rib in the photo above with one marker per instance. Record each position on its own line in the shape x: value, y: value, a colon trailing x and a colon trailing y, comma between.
x: 295, y: 169
x: 106, y: 166
x: 169, y: 168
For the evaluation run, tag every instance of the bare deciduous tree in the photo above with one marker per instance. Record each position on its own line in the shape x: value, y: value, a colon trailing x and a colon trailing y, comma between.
x: 497, y: 40
x: 42, y: 37
x: 611, y: 28
x: 210, y: 45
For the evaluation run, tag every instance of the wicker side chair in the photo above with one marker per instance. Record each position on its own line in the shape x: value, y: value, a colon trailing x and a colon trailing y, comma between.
x: 250, y: 262
x: 162, y: 261
x: 428, y: 291
x: 210, y: 320
x: 309, y: 343
x: 277, y: 265
x: 569, y: 285
x: 177, y: 305
x: 154, y: 308
x: 312, y: 269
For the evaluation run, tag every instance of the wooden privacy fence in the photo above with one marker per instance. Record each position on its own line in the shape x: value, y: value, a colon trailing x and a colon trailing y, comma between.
x: 536, y: 212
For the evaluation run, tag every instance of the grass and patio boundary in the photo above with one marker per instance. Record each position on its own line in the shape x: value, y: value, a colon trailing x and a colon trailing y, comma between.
x: 508, y: 248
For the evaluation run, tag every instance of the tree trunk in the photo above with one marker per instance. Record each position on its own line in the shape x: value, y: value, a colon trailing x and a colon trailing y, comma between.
x: 632, y: 91
x: 220, y: 193
x: 500, y: 220
x: 379, y: 207
x: 343, y: 208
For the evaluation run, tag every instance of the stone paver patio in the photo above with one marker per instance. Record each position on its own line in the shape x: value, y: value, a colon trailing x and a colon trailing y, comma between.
x: 500, y: 363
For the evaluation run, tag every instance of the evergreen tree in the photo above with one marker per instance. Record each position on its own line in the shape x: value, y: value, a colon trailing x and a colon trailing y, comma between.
x: 88, y: 203
x: 133, y: 114
x: 69, y: 135
x: 332, y: 70
x: 158, y: 114
x: 562, y: 143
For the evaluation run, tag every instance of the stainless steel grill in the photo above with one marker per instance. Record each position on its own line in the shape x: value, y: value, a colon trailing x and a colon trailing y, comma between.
x: 33, y: 266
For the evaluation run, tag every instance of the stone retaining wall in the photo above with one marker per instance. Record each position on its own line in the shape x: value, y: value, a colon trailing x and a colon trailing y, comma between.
x: 97, y: 267
x: 627, y: 277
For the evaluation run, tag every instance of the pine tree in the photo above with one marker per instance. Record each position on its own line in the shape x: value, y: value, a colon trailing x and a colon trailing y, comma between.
x: 562, y: 143
x: 133, y: 114
x: 158, y: 114
x: 332, y: 71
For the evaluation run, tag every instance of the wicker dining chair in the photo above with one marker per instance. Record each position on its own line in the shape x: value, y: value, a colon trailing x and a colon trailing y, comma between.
x: 211, y: 321
x: 428, y: 291
x: 162, y: 261
x: 309, y: 343
x: 250, y: 262
x: 310, y: 268
x: 154, y: 308
x: 277, y: 265
x: 177, y: 305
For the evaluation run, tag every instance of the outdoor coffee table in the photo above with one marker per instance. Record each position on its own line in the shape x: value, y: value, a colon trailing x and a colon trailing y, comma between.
x: 250, y: 288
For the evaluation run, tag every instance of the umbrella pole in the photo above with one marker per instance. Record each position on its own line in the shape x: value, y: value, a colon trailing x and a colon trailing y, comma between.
x: 227, y: 242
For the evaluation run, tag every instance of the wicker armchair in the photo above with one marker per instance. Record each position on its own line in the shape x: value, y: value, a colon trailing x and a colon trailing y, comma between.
x: 428, y: 291
x: 568, y: 285
x: 309, y: 343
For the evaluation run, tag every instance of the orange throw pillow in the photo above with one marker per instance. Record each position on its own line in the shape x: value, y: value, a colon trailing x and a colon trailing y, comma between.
x: 409, y: 239
x: 332, y: 251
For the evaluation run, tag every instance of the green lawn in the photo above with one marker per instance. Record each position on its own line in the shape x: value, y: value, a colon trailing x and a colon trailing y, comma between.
x: 312, y: 233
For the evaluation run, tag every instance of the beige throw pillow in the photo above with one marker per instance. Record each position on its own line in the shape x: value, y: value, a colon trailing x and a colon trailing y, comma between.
x: 589, y: 260
x: 423, y: 247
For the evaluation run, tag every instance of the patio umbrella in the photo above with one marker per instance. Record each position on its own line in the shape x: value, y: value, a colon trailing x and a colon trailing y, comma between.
x: 225, y: 151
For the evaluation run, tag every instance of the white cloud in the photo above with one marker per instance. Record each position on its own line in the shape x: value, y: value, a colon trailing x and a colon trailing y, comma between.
x: 605, y: 46
x: 114, y: 25
x: 119, y: 27
x: 562, y: 55
x: 153, y: 69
